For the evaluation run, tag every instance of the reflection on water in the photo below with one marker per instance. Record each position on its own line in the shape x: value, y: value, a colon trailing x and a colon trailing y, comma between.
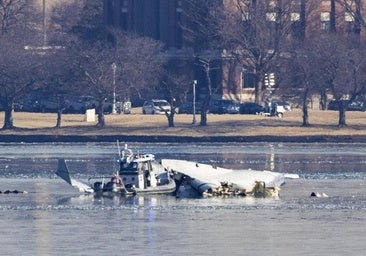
x: 312, y: 161
x: 40, y: 221
x: 54, y: 219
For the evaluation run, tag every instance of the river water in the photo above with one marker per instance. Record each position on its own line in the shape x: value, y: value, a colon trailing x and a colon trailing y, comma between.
x: 54, y: 219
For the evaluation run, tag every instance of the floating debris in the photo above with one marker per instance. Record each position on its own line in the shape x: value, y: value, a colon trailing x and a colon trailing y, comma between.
x: 13, y: 192
x: 317, y: 194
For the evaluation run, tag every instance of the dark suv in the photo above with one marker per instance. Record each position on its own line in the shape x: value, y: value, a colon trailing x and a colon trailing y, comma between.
x: 251, y: 108
x: 224, y: 107
x: 79, y: 104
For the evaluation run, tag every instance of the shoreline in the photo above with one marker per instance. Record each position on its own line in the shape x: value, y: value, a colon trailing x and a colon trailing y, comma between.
x: 136, y: 127
x: 181, y: 139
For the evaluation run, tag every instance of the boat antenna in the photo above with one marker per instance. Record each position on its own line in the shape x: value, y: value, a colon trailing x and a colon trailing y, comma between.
x: 119, y: 151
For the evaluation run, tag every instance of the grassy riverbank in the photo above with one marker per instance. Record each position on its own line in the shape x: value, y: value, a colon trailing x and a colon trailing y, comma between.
x: 323, y: 124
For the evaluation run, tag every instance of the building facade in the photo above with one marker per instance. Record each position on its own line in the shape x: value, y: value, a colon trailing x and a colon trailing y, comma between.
x: 163, y: 20
x: 158, y: 19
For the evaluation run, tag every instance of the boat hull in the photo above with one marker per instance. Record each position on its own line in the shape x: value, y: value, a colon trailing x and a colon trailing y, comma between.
x: 110, y: 190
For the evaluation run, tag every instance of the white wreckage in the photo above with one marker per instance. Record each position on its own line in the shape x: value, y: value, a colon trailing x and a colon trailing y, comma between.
x: 197, y: 179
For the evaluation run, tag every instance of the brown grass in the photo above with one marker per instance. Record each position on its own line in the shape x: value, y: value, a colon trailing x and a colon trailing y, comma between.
x: 322, y: 123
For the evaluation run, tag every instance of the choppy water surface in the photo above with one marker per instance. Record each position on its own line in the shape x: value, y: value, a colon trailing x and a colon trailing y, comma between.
x: 53, y: 219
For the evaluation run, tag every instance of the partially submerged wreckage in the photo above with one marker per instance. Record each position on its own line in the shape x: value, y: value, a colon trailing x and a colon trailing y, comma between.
x: 142, y: 174
x: 196, y: 179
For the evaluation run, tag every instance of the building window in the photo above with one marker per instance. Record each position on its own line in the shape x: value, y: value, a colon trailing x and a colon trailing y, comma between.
x: 325, y: 20
x: 295, y: 16
x: 250, y: 80
x: 245, y: 16
x: 326, y: 4
x: 324, y: 16
x: 271, y: 16
x: 295, y: 4
x: 179, y: 8
x: 124, y: 8
x: 272, y: 4
x: 348, y: 17
x: 349, y: 20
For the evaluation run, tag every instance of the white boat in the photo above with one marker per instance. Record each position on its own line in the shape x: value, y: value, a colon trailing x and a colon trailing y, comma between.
x: 138, y: 174
x: 196, y: 179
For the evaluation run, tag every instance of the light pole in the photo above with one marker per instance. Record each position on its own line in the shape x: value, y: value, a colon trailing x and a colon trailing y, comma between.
x: 242, y: 75
x: 241, y: 85
x: 194, y: 101
x: 44, y: 23
x: 114, y: 68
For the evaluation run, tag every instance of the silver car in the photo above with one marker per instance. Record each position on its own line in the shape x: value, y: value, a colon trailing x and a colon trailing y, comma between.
x: 156, y: 107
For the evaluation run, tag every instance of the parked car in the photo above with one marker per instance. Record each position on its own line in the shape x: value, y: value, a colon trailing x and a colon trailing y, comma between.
x: 277, y: 110
x: 156, y: 107
x: 221, y: 106
x: 31, y: 101
x: 187, y: 108
x: 79, y: 104
x: 286, y: 106
x: 356, y: 106
x: 52, y: 104
x: 28, y: 105
x: 124, y: 107
x: 251, y: 108
x: 352, y: 106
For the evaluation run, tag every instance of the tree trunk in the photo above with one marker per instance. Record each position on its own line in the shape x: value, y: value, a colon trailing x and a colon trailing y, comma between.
x: 171, y: 119
x: 170, y: 115
x: 101, y: 119
x: 59, y: 118
x: 258, y: 92
x: 323, y: 100
x: 302, y: 19
x: 342, y: 114
x: 204, y: 109
x: 305, y: 113
x: 205, y: 104
x: 332, y: 21
x: 203, y: 121
x: 8, y: 120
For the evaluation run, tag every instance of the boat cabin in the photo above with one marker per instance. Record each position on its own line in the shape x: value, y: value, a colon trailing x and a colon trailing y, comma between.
x: 138, y: 172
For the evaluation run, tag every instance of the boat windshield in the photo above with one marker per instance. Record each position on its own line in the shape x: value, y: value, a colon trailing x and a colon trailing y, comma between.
x: 135, y: 166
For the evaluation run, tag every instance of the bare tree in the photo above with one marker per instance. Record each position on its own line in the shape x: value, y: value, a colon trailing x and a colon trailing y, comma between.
x: 355, y: 14
x: 202, y: 34
x: 18, y: 67
x: 59, y: 75
x: 64, y: 19
x: 18, y: 73
x: 207, y: 65
x: 139, y: 62
x: 351, y: 80
x: 175, y: 86
x: 340, y: 69
x: 95, y: 63
x: 300, y: 77
x: 254, y: 33
x: 89, y: 27
x: 12, y: 14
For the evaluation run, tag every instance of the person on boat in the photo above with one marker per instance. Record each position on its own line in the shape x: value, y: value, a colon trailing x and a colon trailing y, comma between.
x: 117, y: 180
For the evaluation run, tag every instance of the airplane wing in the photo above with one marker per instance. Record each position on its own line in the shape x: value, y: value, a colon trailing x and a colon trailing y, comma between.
x: 207, y: 176
x: 63, y: 173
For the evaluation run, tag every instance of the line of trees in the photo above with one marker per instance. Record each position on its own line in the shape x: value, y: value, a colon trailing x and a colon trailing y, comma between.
x: 78, y: 58
x: 259, y: 37
x: 278, y: 37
